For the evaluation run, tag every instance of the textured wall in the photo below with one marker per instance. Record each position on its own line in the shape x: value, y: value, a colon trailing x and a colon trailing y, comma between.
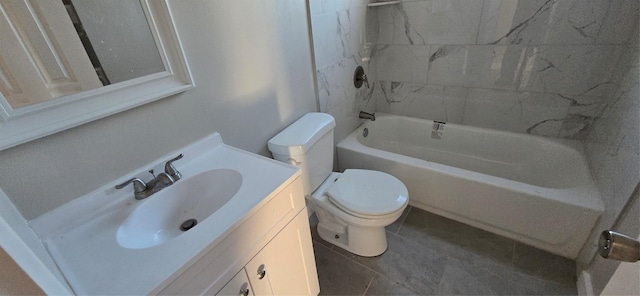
x: 541, y: 66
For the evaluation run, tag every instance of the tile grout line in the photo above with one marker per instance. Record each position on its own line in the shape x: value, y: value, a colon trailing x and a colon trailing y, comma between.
x: 358, y: 264
x: 375, y: 272
x: 512, y: 274
x: 322, y: 242
x: 403, y: 220
x: 442, y: 278
x: 369, y: 285
x: 351, y: 260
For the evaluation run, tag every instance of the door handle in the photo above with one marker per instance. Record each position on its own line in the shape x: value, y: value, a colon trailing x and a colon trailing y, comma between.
x: 616, y: 246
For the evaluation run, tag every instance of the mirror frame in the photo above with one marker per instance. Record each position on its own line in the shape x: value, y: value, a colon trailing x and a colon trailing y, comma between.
x: 28, y: 123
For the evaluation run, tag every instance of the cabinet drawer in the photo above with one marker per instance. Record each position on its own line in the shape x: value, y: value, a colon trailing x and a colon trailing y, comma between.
x: 218, y: 265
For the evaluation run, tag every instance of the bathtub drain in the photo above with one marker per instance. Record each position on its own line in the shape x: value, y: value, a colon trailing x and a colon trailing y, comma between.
x: 365, y: 132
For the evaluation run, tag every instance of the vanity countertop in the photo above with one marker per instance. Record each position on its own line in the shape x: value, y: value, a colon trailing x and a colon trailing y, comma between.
x: 81, y: 235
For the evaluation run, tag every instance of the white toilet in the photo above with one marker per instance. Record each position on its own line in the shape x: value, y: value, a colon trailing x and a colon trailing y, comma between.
x: 352, y: 207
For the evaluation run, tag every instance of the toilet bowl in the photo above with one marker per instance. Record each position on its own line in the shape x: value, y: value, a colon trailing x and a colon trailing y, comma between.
x: 353, y: 207
x: 355, y: 228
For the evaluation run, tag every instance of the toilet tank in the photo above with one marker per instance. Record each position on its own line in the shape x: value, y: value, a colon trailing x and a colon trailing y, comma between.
x: 308, y: 144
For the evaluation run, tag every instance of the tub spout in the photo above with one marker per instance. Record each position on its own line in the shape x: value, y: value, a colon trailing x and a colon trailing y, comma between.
x: 365, y: 115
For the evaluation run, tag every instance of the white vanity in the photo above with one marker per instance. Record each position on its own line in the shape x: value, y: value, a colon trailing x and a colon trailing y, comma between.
x: 257, y: 242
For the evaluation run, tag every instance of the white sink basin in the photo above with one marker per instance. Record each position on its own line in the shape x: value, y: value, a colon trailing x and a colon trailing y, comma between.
x: 176, y: 209
x: 108, y: 243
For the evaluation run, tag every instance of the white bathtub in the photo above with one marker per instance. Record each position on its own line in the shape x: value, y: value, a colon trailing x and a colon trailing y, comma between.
x: 535, y: 190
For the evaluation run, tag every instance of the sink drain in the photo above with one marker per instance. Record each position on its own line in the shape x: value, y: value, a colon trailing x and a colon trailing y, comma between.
x: 186, y: 225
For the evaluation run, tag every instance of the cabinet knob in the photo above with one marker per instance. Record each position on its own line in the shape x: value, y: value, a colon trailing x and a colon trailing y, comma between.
x: 261, y: 272
x: 244, y: 292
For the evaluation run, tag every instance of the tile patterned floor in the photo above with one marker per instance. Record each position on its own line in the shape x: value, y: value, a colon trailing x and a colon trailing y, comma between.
x: 432, y: 255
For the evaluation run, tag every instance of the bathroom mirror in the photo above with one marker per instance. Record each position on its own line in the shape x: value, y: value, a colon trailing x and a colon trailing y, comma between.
x: 53, y: 84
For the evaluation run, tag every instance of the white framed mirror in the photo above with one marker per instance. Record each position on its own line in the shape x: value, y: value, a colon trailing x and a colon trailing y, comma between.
x: 47, y: 86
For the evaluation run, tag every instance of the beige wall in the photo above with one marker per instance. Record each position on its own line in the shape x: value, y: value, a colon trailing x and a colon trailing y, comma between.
x: 251, y: 63
x: 14, y: 280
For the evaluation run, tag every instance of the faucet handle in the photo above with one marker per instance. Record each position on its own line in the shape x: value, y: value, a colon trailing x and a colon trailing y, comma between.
x: 165, y: 179
x: 366, y: 81
x: 170, y: 170
x: 139, y: 186
x: 359, y: 77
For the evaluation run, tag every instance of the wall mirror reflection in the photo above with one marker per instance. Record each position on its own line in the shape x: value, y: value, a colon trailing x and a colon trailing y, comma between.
x: 116, y: 37
x: 67, y: 62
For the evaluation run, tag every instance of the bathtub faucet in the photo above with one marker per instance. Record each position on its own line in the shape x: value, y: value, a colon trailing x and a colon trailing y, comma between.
x: 365, y: 115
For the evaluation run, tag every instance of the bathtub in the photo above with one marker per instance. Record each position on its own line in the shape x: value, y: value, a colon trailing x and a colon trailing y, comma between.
x: 534, y: 190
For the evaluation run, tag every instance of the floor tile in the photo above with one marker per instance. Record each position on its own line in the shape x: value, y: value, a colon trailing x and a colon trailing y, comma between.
x: 454, y: 238
x: 408, y: 263
x: 541, y: 263
x: 339, y: 276
x: 457, y: 281
x: 395, y: 226
x: 382, y: 285
x: 544, y: 272
x: 472, y: 277
x: 428, y: 254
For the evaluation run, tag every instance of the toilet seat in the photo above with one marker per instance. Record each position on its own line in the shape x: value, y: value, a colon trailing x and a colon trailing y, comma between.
x: 367, y: 193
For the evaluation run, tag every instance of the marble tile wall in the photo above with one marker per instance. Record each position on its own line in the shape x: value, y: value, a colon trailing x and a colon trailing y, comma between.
x: 541, y: 67
x: 338, y: 28
x: 613, y: 149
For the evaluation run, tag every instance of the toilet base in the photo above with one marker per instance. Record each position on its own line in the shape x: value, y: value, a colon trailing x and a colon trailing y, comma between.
x: 362, y: 241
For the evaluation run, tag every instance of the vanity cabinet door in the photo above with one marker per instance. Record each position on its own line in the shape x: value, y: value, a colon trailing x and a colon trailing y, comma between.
x: 238, y: 285
x: 286, y: 265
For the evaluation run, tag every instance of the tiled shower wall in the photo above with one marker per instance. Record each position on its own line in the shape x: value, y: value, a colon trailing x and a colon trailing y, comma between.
x: 338, y: 28
x: 529, y: 66
x: 613, y: 150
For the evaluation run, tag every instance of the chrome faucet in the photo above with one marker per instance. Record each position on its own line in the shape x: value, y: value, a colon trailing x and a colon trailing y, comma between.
x: 159, y: 182
x: 171, y: 170
x: 142, y: 190
x: 365, y: 115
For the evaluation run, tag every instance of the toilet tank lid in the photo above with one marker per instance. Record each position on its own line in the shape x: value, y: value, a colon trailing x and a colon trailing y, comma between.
x: 298, y: 137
